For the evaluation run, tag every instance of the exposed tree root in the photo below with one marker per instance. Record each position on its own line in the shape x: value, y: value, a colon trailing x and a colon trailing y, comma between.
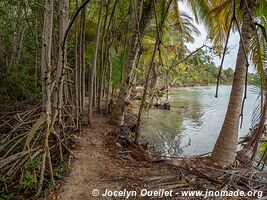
x: 22, y: 143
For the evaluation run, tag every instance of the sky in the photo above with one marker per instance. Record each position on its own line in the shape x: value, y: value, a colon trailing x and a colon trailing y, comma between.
x: 233, y: 44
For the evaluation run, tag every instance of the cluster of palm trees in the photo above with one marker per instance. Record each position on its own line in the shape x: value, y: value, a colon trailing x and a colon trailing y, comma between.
x: 248, y: 17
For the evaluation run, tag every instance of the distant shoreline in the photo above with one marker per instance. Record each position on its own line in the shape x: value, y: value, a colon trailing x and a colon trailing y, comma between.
x: 197, y: 85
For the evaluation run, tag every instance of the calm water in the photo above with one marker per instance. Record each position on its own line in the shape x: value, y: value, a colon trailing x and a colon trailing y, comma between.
x: 192, y: 125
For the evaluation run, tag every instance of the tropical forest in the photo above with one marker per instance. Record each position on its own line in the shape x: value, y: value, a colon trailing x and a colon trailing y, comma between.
x: 133, y: 99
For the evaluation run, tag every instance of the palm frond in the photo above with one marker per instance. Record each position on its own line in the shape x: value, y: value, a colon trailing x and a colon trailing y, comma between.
x: 200, y: 8
x: 259, y: 55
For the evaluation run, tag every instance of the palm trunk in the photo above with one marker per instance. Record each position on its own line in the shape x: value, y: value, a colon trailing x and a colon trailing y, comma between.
x: 118, y: 116
x: 224, y: 151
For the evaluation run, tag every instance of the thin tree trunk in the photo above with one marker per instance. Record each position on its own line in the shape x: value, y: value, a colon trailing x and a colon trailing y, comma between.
x: 138, y: 124
x: 77, y: 71
x: 224, y: 151
x: 95, y: 92
x: 93, y: 70
x: 156, y: 46
x: 103, y: 49
x: 47, y: 85
x: 17, y: 37
x: 17, y: 49
x: 82, y: 60
x: 63, y: 23
x: 2, y: 60
x: 109, y: 84
x: 109, y: 87
x: 167, y: 86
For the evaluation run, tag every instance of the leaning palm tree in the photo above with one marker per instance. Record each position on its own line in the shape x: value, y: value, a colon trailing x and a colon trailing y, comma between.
x: 219, y: 22
x: 224, y: 151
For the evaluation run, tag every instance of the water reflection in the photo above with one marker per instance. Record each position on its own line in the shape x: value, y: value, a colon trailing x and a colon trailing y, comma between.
x: 194, y: 121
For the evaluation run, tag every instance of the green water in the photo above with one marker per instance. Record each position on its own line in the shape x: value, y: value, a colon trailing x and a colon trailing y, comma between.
x: 192, y: 125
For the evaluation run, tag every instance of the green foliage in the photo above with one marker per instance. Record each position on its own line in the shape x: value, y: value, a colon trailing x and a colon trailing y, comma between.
x: 35, y: 164
x: 51, y: 186
x: 3, y: 194
x: 6, y: 196
x: 61, y: 170
x: 18, y: 85
x: 118, y: 61
x: 28, y: 183
x: 253, y: 79
x: 263, y: 147
x: 201, y: 70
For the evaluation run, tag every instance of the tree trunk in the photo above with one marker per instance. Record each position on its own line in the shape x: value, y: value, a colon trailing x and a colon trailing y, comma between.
x: 46, y: 50
x: 82, y: 60
x: 118, y: 117
x: 46, y: 79
x: 17, y: 37
x: 224, y: 151
x: 63, y: 23
x: 2, y: 60
x: 103, y: 49
x: 77, y: 71
x: 109, y: 87
x: 94, y: 92
x: 93, y: 70
x: 159, y: 27
x: 108, y: 100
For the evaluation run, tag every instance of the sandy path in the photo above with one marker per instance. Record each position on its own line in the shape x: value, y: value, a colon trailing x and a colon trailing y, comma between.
x: 88, y: 169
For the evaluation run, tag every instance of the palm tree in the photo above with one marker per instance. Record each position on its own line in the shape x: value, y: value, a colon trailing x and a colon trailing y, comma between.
x: 143, y: 13
x: 218, y: 22
x: 178, y: 20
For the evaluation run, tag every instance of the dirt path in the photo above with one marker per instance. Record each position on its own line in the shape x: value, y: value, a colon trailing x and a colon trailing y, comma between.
x: 89, y: 167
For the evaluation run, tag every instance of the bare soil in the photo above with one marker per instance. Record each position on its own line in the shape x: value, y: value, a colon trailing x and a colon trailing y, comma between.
x: 108, y: 159
x: 89, y: 168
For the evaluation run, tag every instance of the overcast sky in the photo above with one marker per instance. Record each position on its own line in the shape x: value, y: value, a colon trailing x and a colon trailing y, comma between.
x: 233, y: 44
